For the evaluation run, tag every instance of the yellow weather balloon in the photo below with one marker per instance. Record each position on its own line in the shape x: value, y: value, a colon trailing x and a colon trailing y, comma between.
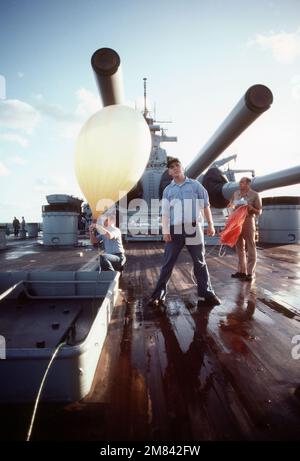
x: 112, y: 152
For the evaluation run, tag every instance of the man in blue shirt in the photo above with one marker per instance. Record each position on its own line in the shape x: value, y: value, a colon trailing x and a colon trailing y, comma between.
x: 182, y: 202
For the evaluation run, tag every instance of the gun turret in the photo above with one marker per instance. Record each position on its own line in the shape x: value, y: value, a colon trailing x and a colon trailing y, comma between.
x: 281, y: 178
x: 257, y: 99
x: 106, y: 65
x: 220, y: 190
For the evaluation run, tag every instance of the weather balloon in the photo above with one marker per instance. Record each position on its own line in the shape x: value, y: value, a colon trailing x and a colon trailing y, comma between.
x: 112, y: 152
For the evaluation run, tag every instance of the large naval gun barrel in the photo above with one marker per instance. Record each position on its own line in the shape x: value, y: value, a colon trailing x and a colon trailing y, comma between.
x: 106, y: 65
x: 256, y: 100
x: 220, y: 190
x: 281, y: 178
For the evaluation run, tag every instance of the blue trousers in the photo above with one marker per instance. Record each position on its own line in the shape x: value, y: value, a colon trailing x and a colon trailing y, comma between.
x: 112, y: 262
x: 172, y: 250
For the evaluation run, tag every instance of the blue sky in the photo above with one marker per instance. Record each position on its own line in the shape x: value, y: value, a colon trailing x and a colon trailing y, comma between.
x: 199, y: 58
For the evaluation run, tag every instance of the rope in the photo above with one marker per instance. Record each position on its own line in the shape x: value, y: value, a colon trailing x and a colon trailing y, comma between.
x: 221, y: 254
x: 222, y: 251
x: 40, y: 390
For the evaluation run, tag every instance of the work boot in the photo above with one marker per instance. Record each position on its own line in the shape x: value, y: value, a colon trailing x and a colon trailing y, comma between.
x: 238, y: 275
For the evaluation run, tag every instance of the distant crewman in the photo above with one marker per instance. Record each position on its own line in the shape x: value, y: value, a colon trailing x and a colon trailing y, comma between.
x: 23, y: 223
x: 246, y: 247
x: 16, y: 226
x: 113, y: 258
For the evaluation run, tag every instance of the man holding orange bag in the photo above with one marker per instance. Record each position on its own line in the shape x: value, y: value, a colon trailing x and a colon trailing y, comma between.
x: 245, y: 246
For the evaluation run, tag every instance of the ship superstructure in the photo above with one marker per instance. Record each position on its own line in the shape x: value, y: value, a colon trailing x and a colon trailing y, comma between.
x: 145, y: 225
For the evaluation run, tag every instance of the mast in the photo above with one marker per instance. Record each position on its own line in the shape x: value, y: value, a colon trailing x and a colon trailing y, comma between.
x: 146, y: 112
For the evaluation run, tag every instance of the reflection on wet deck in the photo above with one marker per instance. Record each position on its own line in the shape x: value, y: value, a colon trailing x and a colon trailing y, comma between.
x: 182, y: 372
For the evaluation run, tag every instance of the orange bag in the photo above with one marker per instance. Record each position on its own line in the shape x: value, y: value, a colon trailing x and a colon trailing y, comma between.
x: 233, y: 228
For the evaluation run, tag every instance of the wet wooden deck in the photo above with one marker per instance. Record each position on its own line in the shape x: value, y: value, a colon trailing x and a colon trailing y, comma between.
x: 188, y: 373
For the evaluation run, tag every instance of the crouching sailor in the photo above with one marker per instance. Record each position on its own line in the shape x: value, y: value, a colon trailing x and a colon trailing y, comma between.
x: 113, y: 258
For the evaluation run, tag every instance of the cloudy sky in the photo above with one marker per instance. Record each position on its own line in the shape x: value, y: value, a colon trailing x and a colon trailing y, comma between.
x: 199, y: 57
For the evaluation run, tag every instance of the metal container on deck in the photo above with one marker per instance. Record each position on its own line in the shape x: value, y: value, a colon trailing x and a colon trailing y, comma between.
x: 280, y: 220
x: 60, y: 228
x: 2, y: 237
x: 62, y: 198
x: 38, y: 312
x: 32, y: 229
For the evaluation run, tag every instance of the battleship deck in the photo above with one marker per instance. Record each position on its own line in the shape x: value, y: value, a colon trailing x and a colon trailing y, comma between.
x: 184, y: 372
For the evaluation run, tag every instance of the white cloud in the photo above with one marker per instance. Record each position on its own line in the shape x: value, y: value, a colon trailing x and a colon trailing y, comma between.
x: 70, y: 123
x: 18, y: 115
x: 3, y: 170
x: 18, y: 160
x: 54, y: 184
x: 295, y: 83
x: 5, y: 206
x: 21, y: 116
x: 31, y: 210
x: 88, y: 103
x: 2, y: 87
x: 71, y: 130
x: 54, y: 111
x: 8, y: 211
x: 13, y: 137
x: 285, y: 46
